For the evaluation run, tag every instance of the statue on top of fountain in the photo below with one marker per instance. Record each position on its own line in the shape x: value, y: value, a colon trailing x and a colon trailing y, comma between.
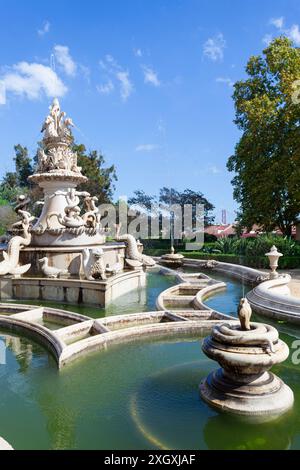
x: 56, y: 124
x: 55, y: 153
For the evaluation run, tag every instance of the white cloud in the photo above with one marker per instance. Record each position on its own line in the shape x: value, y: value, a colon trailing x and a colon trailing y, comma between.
x: 106, y: 88
x: 126, y: 87
x: 31, y: 80
x: 267, y: 39
x: 150, y: 76
x: 292, y: 33
x: 214, y: 47
x: 45, y: 29
x: 214, y: 170
x: 225, y: 80
x: 63, y: 57
x: 146, y: 147
x: 277, y: 22
x: 138, y: 52
x: 86, y: 73
x: 2, y: 93
x: 116, y: 73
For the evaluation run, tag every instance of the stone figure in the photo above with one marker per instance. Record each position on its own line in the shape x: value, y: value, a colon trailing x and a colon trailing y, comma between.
x: 92, y: 216
x: 115, y: 268
x: 64, y: 129
x: 49, y: 128
x: 92, y: 263
x: 51, y: 271
x: 10, y: 264
x: 72, y: 217
x: 21, y: 210
x: 132, y: 252
x: 56, y: 153
x: 244, y: 314
x: 243, y: 384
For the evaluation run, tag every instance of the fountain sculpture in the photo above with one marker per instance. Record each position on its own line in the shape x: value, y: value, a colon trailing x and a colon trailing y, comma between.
x: 243, y: 385
x: 63, y: 241
x: 172, y: 259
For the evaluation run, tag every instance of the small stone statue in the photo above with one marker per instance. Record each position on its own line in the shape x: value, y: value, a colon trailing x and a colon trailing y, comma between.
x: 244, y: 314
x: 51, y: 271
x: 115, y: 268
x: 92, y: 263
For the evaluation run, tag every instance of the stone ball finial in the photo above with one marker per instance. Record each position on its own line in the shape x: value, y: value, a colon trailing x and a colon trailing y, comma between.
x: 244, y: 313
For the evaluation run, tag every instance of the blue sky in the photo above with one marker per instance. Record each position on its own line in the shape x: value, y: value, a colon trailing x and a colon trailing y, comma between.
x: 148, y: 82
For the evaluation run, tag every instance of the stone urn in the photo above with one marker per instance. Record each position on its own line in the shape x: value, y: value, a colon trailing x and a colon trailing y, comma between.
x: 273, y: 256
x: 244, y: 384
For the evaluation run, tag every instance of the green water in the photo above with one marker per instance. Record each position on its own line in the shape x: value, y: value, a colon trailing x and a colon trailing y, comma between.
x: 139, y: 395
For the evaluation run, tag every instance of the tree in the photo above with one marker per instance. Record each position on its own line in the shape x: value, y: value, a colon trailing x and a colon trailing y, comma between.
x: 23, y: 165
x: 266, y: 161
x: 100, y: 178
x: 169, y: 196
x: 140, y: 198
x: 15, y: 182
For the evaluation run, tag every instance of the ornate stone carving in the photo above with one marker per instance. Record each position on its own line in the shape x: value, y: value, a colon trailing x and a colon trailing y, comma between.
x: 21, y: 209
x: 244, y: 313
x: 92, y: 263
x: 72, y: 217
x: 51, y: 271
x: 115, y: 268
x: 92, y: 216
x: 56, y: 154
x: 244, y: 385
x: 10, y: 264
x: 262, y: 278
x: 210, y: 264
x: 132, y: 252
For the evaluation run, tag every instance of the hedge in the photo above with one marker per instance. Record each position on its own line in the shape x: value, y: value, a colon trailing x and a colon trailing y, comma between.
x: 286, y: 262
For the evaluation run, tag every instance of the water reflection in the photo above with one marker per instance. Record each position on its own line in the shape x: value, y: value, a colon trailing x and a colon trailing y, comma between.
x: 142, y: 395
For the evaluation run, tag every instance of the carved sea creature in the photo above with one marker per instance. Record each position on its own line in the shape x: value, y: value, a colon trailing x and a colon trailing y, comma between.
x: 73, y: 220
x: 10, y: 264
x: 259, y: 335
x: 51, y: 271
x: 132, y: 252
x: 91, y: 217
x: 244, y: 314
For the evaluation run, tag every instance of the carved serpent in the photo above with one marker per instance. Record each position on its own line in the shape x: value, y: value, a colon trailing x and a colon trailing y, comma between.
x: 259, y: 334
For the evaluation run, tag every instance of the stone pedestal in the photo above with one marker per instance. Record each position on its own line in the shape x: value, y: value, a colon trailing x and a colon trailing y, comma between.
x: 172, y: 259
x: 244, y: 385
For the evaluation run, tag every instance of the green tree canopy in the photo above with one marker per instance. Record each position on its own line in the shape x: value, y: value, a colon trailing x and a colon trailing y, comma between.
x: 171, y: 196
x: 23, y: 165
x: 101, y: 178
x: 140, y: 198
x: 100, y: 184
x: 266, y: 161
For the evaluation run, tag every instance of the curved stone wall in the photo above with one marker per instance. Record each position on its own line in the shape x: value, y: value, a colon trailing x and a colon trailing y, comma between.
x: 272, y: 299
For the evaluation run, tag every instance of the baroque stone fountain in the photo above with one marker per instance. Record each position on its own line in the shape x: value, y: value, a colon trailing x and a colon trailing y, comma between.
x: 244, y: 385
x: 64, y: 242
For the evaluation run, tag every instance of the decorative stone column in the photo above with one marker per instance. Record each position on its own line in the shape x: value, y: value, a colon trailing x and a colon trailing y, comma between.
x: 61, y: 222
x: 244, y: 385
x: 273, y: 256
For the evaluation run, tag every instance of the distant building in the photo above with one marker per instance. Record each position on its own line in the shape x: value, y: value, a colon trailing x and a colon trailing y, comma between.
x: 220, y: 231
x: 229, y: 230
